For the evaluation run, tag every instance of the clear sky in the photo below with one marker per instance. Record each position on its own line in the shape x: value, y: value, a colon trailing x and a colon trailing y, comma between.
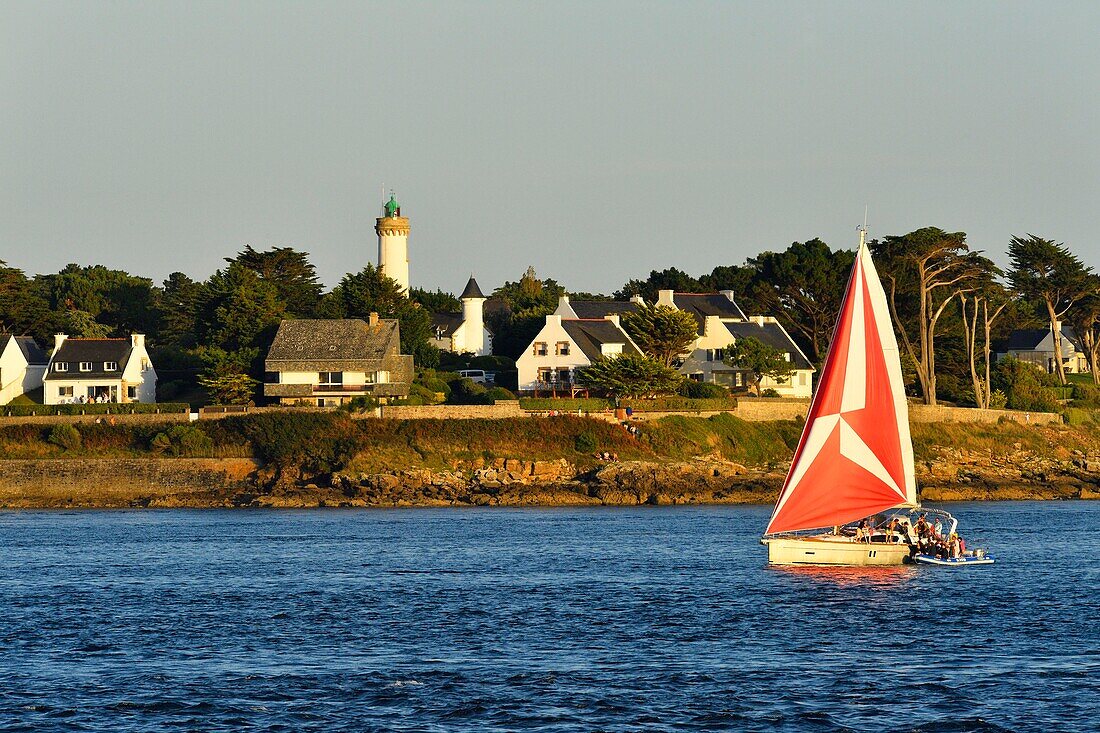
x: 595, y: 141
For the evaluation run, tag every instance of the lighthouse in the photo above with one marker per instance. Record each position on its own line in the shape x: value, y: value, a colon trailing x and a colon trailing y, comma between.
x: 393, y: 244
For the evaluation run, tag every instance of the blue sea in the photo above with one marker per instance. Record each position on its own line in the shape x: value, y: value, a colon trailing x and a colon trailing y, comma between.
x: 641, y: 619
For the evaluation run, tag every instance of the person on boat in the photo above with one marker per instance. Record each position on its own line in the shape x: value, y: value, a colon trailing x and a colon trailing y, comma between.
x: 937, y: 529
x: 922, y: 526
x: 891, y: 529
x: 863, y: 531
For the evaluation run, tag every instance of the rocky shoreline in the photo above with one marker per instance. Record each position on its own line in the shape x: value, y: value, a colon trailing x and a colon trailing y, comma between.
x: 952, y: 475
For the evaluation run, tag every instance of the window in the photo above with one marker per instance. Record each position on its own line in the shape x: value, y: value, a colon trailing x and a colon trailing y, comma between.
x: 540, y: 348
x: 382, y: 377
x: 562, y: 348
x: 131, y: 393
x: 110, y: 366
x: 85, y: 366
x: 802, y: 379
x: 61, y: 366
x: 563, y: 375
x: 331, y: 378
x: 370, y: 378
x: 544, y: 374
x: 64, y: 391
x: 145, y: 365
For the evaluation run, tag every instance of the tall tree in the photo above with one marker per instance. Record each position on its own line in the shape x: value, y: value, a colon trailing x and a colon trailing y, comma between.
x: 177, y: 304
x: 760, y: 360
x: 1085, y: 317
x: 114, y: 298
x: 23, y: 310
x: 1047, y: 272
x: 980, y: 309
x: 437, y: 302
x: 668, y: 279
x: 803, y: 287
x: 661, y: 332
x: 925, y: 270
x: 518, y: 310
x: 292, y: 274
x: 238, y: 310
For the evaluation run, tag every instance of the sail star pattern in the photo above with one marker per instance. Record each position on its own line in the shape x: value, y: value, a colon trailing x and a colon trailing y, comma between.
x: 855, y: 457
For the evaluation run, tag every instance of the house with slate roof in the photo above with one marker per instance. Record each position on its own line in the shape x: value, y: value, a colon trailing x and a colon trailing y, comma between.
x: 326, y: 363
x: 22, y: 366
x: 595, y: 308
x: 99, y: 370
x: 1036, y: 346
x: 706, y: 360
x: 464, y: 332
x: 566, y: 344
x: 720, y: 322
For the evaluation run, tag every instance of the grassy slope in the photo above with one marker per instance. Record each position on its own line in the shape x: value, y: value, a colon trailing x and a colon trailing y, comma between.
x: 437, y: 444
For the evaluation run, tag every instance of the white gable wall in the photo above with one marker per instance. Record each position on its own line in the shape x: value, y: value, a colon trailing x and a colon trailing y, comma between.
x: 16, y: 375
x: 552, y: 333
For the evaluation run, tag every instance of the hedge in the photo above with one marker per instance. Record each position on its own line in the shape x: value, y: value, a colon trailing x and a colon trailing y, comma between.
x: 131, y: 408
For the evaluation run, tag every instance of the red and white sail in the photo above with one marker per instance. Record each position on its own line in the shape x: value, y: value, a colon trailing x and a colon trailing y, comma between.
x: 855, y: 457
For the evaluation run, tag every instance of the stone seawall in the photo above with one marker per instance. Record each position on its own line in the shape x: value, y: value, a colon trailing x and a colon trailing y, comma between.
x: 121, y: 419
x: 500, y: 410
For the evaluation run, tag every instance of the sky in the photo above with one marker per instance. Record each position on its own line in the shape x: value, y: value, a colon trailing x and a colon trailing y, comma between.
x: 595, y: 141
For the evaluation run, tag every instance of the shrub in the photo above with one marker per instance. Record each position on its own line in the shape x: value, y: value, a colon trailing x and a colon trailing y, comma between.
x: 697, y: 390
x: 360, y: 404
x: 1086, y: 395
x: 769, y: 393
x: 315, y: 442
x: 498, y: 393
x: 467, y: 392
x: 585, y: 443
x: 66, y: 436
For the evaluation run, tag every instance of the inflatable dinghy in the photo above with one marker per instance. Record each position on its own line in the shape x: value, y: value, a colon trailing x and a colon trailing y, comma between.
x: 953, y: 561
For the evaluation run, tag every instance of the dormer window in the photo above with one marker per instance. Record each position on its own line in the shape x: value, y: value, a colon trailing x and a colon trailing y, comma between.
x: 85, y: 366
x: 540, y: 348
x: 61, y: 366
x: 562, y: 348
x: 110, y: 366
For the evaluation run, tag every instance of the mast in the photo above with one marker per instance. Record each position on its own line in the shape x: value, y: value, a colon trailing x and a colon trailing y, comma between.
x: 855, y: 456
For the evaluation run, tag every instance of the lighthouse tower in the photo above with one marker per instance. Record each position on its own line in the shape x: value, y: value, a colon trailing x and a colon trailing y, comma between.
x: 393, y: 244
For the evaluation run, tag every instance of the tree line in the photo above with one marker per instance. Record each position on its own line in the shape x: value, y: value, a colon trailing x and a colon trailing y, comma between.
x: 950, y: 304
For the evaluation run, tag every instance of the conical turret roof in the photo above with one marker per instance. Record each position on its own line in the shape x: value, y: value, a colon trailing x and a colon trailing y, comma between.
x: 472, y: 290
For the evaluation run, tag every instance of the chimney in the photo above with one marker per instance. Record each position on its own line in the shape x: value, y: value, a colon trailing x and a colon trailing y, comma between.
x: 553, y: 320
x: 728, y: 294
x: 137, y: 340
x: 614, y: 318
x: 664, y: 297
x: 372, y: 321
x: 58, y: 339
x: 637, y: 300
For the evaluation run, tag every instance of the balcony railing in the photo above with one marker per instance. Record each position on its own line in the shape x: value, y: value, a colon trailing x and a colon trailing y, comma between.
x: 342, y: 388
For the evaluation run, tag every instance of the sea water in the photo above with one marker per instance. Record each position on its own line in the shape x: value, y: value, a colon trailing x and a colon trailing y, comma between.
x: 647, y: 619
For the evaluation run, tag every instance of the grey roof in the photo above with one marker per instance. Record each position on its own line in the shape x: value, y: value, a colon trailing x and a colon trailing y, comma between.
x: 589, y: 335
x: 73, y: 351
x: 32, y: 352
x: 702, y: 305
x: 1029, y: 339
x: 444, y: 324
x: 332, y: 340
x: 471, y: 290
x: 772, y: 334
x: 601, y: 308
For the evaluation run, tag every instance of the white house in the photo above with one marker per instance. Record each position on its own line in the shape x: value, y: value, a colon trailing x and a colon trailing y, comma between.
x: 22, y: 364
x: 565, y: 344
x: 721, y: 322
x: 465, y: 332
x: 327, y: 362
x: 99, y: 370
x: 1036, y: 346
x: 706, y: 361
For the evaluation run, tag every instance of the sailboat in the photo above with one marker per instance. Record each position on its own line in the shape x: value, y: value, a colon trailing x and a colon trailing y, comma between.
x: 855, y: 457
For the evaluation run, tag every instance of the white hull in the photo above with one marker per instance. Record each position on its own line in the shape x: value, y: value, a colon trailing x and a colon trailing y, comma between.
x: 832, y: 550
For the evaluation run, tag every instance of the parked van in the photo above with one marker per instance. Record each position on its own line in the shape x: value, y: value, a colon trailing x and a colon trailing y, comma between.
x: 476, y: 375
